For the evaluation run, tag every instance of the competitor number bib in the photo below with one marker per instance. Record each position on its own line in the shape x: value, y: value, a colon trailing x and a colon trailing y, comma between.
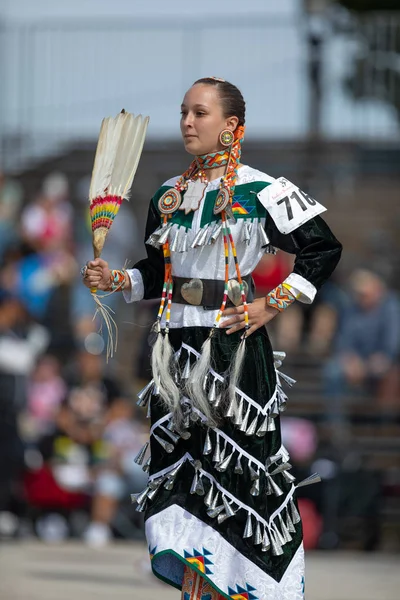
x: 288, y: 205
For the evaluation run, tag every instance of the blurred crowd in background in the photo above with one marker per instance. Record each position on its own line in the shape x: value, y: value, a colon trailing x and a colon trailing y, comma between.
x: 69, y: 426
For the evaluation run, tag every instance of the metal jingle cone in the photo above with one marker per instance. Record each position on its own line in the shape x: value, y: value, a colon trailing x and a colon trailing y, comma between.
x: 214, y: 503
x: 255, y: 488
x: 245, y: 421
x: 200, y: 491
x: 232, y: 408
x: 262, y: 430
x: 139, y: 498
x: 186, y: 369
x: 212, y: 395
x: 203, y: 238
x: 289, y: 522
x: 288, y: 476
x: 205, y: 382
x: 155, y: 483
x: 214, y: 512
x: 223, y: 452
x: 269, y: 487
x: 266, y: 542
x: 174, y: 243
x: 216, y: 233
x: 238, y: 419
x: 164, y: 235
x: 218, y: 400
x: 285, y: 531
x: 289, y: 380
x: 314, y: 478
x: 276, y: 489
x: 258, y: 535
x: 145, y: 393
x: 139, y: 458
x: 274, y: 410
x: 141, y: 507
x: 207, y: 444
x: 146, y: 466
x: 209, y: 496
x: 185, y: 435
x: 271, y: 424
x: 294, y: 513
x: 272, y: 459
x: 153, y: 493
x: 185, y: 243
x: 174, y: 436
x: 238, y: 467
x: 173, y: 472
x: 228, y: 507
x: 283, y: 467
x: 210, y: 231
x: 252, y: 427
x: 169, y: 484
x: 248, y: 530
x: 278, y: 536
x: 217, y: 452
x: 254, y: 475
x: 197, y: 238
x: 148, y: 414
x: 194, y: 483
x: 276, y: 547
x: 171, y: 425
x: 222, y: 466
x: 264, y: 237
x: 166, y: 445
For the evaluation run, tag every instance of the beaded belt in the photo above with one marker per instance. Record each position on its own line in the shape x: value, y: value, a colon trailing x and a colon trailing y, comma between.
x: 208, y: 293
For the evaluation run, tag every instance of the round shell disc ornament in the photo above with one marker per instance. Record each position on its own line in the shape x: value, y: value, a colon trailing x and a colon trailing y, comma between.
x: 221, y: 201
x: 169, y: 201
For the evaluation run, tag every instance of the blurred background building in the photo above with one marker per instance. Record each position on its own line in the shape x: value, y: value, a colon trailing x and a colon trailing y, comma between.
x: 321, y: 79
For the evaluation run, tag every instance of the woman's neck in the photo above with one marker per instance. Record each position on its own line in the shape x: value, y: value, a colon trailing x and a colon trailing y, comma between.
x: 216, y: 173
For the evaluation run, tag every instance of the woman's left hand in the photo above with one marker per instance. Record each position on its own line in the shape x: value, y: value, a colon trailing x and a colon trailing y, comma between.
x: 259, y: 314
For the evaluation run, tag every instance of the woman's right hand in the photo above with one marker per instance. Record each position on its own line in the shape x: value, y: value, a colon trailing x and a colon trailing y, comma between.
x: 97, y: 275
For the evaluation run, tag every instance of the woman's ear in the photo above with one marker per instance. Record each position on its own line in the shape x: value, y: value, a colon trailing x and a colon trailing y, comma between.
x: 232, y: 123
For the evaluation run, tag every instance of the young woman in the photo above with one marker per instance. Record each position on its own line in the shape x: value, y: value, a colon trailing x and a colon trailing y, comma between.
x: 220, y: 505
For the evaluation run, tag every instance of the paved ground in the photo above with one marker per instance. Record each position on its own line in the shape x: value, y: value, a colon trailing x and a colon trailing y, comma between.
x: 33, y: 571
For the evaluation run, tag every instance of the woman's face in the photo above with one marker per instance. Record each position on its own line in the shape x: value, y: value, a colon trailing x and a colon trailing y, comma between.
x: 203, y: 120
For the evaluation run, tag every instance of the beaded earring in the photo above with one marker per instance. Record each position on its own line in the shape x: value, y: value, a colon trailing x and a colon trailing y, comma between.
x: 226, y: 137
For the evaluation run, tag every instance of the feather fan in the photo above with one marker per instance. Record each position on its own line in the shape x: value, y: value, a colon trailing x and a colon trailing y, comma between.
x: 118, y: 152
x: 117, y: 157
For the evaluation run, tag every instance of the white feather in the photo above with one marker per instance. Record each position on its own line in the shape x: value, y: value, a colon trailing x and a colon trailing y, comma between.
x: 118, y: 153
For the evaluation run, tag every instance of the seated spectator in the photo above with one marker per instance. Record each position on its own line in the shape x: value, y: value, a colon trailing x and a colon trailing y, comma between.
x: 45, y: 391
x: 368, y: 345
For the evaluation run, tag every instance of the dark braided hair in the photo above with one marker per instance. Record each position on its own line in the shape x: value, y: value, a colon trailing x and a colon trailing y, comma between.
x: 231, y: 97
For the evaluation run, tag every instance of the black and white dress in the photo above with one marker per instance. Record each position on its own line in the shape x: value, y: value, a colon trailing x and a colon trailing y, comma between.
x: 222, y: 500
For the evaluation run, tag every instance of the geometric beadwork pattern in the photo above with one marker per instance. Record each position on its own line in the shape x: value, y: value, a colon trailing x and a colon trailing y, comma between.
x: 199, y: 560
x: 242, y: 593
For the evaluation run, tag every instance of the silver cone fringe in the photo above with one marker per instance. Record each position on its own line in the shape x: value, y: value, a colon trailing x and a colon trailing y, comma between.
x: 258, y: 535
x: 166, y: 445
x: 207, y: 444
x: 238, y: 467
x: 262, y: 430
x: 248, y: 531
x: 173, y: 436
x: 255, y: 488
x: 209, y: 497
x: 294, y: 513
x: 139, y: 458
x: 217, y: 452
x: 252, y: 427
x: 145, y: 394
x: 222, y: 466
x: 314, y: 478
x: 245, y: 421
